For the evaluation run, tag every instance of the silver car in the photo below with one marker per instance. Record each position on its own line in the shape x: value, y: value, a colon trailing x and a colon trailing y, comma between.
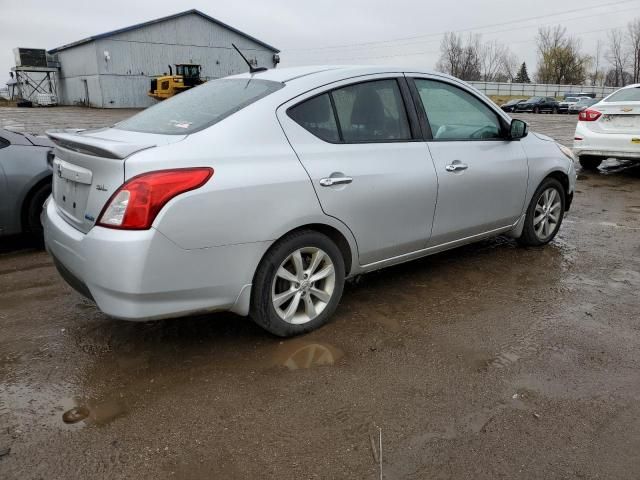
x: 260, y: 194
x: 25, y: 181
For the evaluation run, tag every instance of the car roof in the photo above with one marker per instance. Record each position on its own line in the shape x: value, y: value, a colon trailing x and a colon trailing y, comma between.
x: 338, y: 72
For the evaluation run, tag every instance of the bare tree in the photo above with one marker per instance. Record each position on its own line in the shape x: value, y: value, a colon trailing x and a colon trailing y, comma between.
x: 471, y: 59
x: 510, y: 65
x: 460, y: 57
x: 617, y: 57
x: 597, y: 76
x: 492, y: 56
x: 559, y: 57
x: 633, y: 36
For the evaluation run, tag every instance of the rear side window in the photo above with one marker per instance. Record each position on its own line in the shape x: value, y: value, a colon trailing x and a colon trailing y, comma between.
x: 316, y: 115
x: 4, y: 143
x: 366, y: 112
x: 372, y: 112
x: 200, y: 107
x: 626, y: 95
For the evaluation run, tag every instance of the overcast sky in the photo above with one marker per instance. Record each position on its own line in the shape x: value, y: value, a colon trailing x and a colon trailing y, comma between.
x: 409, y: 31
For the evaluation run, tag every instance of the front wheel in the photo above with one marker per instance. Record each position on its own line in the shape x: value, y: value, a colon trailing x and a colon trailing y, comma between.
x: 298, y: 284
x: 536, y: 110
x: 33, y: 210
x: 554, y: 110
x: 544, y: 215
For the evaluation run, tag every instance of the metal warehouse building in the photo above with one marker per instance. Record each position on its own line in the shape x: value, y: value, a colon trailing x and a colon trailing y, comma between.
x: 114, y: 69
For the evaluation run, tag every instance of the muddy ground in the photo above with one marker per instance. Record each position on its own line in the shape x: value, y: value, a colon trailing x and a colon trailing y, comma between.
x: 489, y: 361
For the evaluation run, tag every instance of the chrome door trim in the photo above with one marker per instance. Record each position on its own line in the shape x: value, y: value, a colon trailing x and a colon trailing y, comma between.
x: 436, y: 248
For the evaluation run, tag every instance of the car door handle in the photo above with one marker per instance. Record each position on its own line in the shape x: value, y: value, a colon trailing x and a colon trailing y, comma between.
x: 331, y: 181
x: 456, y: 167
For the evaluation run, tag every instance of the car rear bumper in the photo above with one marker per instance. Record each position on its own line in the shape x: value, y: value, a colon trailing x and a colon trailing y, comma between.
x: 142, y: 275
x: 617, y: 145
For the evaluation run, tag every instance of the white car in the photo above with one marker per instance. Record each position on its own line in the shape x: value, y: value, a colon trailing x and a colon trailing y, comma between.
x: 610, y: 129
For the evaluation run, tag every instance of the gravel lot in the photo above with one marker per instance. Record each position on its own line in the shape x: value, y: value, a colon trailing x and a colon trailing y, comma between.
x: 489, y: 361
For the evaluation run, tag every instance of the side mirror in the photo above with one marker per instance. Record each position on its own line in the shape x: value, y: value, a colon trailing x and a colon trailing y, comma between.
x: 518, y: 130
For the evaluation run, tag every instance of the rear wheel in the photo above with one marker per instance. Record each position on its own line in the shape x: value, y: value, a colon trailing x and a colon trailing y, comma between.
x: 554, y: 110
x: 536, y: 110
x: 544, y: 215
x: 589, y: 162
x: 298, y: 284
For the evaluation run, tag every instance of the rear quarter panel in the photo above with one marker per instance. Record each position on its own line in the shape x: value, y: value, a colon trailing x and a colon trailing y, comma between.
x: 259, y: 190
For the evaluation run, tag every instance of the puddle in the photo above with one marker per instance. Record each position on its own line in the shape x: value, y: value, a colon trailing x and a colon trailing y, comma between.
x: 300, y: 354
x: 22, y: 404
x: 93, y: 412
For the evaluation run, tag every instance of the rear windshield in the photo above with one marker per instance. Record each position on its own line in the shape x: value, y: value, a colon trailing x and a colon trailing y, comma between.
x: 626, y: 95
x: 200, y: 107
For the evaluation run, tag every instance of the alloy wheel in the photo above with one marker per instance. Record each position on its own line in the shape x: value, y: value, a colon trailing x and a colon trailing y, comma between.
x: 303, y: 285
x: 547, y: 213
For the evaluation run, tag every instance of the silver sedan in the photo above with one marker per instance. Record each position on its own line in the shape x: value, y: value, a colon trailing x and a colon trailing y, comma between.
x: 25, y: 181
x: 260, y: 194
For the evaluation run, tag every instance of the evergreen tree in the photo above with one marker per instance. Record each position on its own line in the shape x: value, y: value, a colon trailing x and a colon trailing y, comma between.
x: 523, y: 75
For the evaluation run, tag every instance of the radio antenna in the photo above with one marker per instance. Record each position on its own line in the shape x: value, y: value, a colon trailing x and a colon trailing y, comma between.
x: 252, y: 69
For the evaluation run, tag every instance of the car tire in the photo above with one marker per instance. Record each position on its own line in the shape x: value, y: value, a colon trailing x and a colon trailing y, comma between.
x: 285, y: 300
x: 33, y: 210
x: 535, y: 110
x: 589, y: 162
x: 554, y: 110
x: 544, y: 214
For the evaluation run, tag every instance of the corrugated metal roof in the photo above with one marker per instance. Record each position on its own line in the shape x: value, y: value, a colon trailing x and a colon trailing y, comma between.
x: 163, y: 19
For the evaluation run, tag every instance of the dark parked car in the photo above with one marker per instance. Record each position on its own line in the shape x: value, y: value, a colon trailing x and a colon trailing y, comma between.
x: 581, y: 105
x: 538, y: 105
x: 25, y: 181
x: 511, y: 104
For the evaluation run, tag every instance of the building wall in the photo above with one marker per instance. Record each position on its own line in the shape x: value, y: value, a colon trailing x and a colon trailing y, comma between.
x: 79, y: 66
x: 124, y: 64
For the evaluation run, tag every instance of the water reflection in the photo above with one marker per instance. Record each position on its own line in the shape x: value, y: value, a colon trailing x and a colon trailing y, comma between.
x: 300, y: 354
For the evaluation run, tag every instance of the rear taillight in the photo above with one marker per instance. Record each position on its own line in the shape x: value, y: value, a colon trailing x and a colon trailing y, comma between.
x: 589, y: 115
x: 135, y: 205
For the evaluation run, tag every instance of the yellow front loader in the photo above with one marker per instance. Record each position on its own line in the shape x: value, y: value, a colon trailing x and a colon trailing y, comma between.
x: 166, y: 86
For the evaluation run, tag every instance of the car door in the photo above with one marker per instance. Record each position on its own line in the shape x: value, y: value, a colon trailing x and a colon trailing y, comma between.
x: 4, y: 199
x: 360, y: 143
x: 482, y: 176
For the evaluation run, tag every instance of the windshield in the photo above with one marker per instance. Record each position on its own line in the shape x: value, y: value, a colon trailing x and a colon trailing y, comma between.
x: 199, y: 107
x: 625, y: 95
x: 570, y: 99
x: 586, y: 101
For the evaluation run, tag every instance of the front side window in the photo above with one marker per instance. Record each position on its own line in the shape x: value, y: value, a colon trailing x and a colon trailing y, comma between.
x: 455, y: 114
x: 200, y: 107
x: 372, y: 112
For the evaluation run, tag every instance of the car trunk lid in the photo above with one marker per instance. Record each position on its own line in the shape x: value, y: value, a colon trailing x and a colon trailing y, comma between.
x: 618, y: 117
x: 89, y: 166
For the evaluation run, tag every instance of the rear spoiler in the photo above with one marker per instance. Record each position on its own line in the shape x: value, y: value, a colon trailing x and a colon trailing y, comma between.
x: 72, y: 139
